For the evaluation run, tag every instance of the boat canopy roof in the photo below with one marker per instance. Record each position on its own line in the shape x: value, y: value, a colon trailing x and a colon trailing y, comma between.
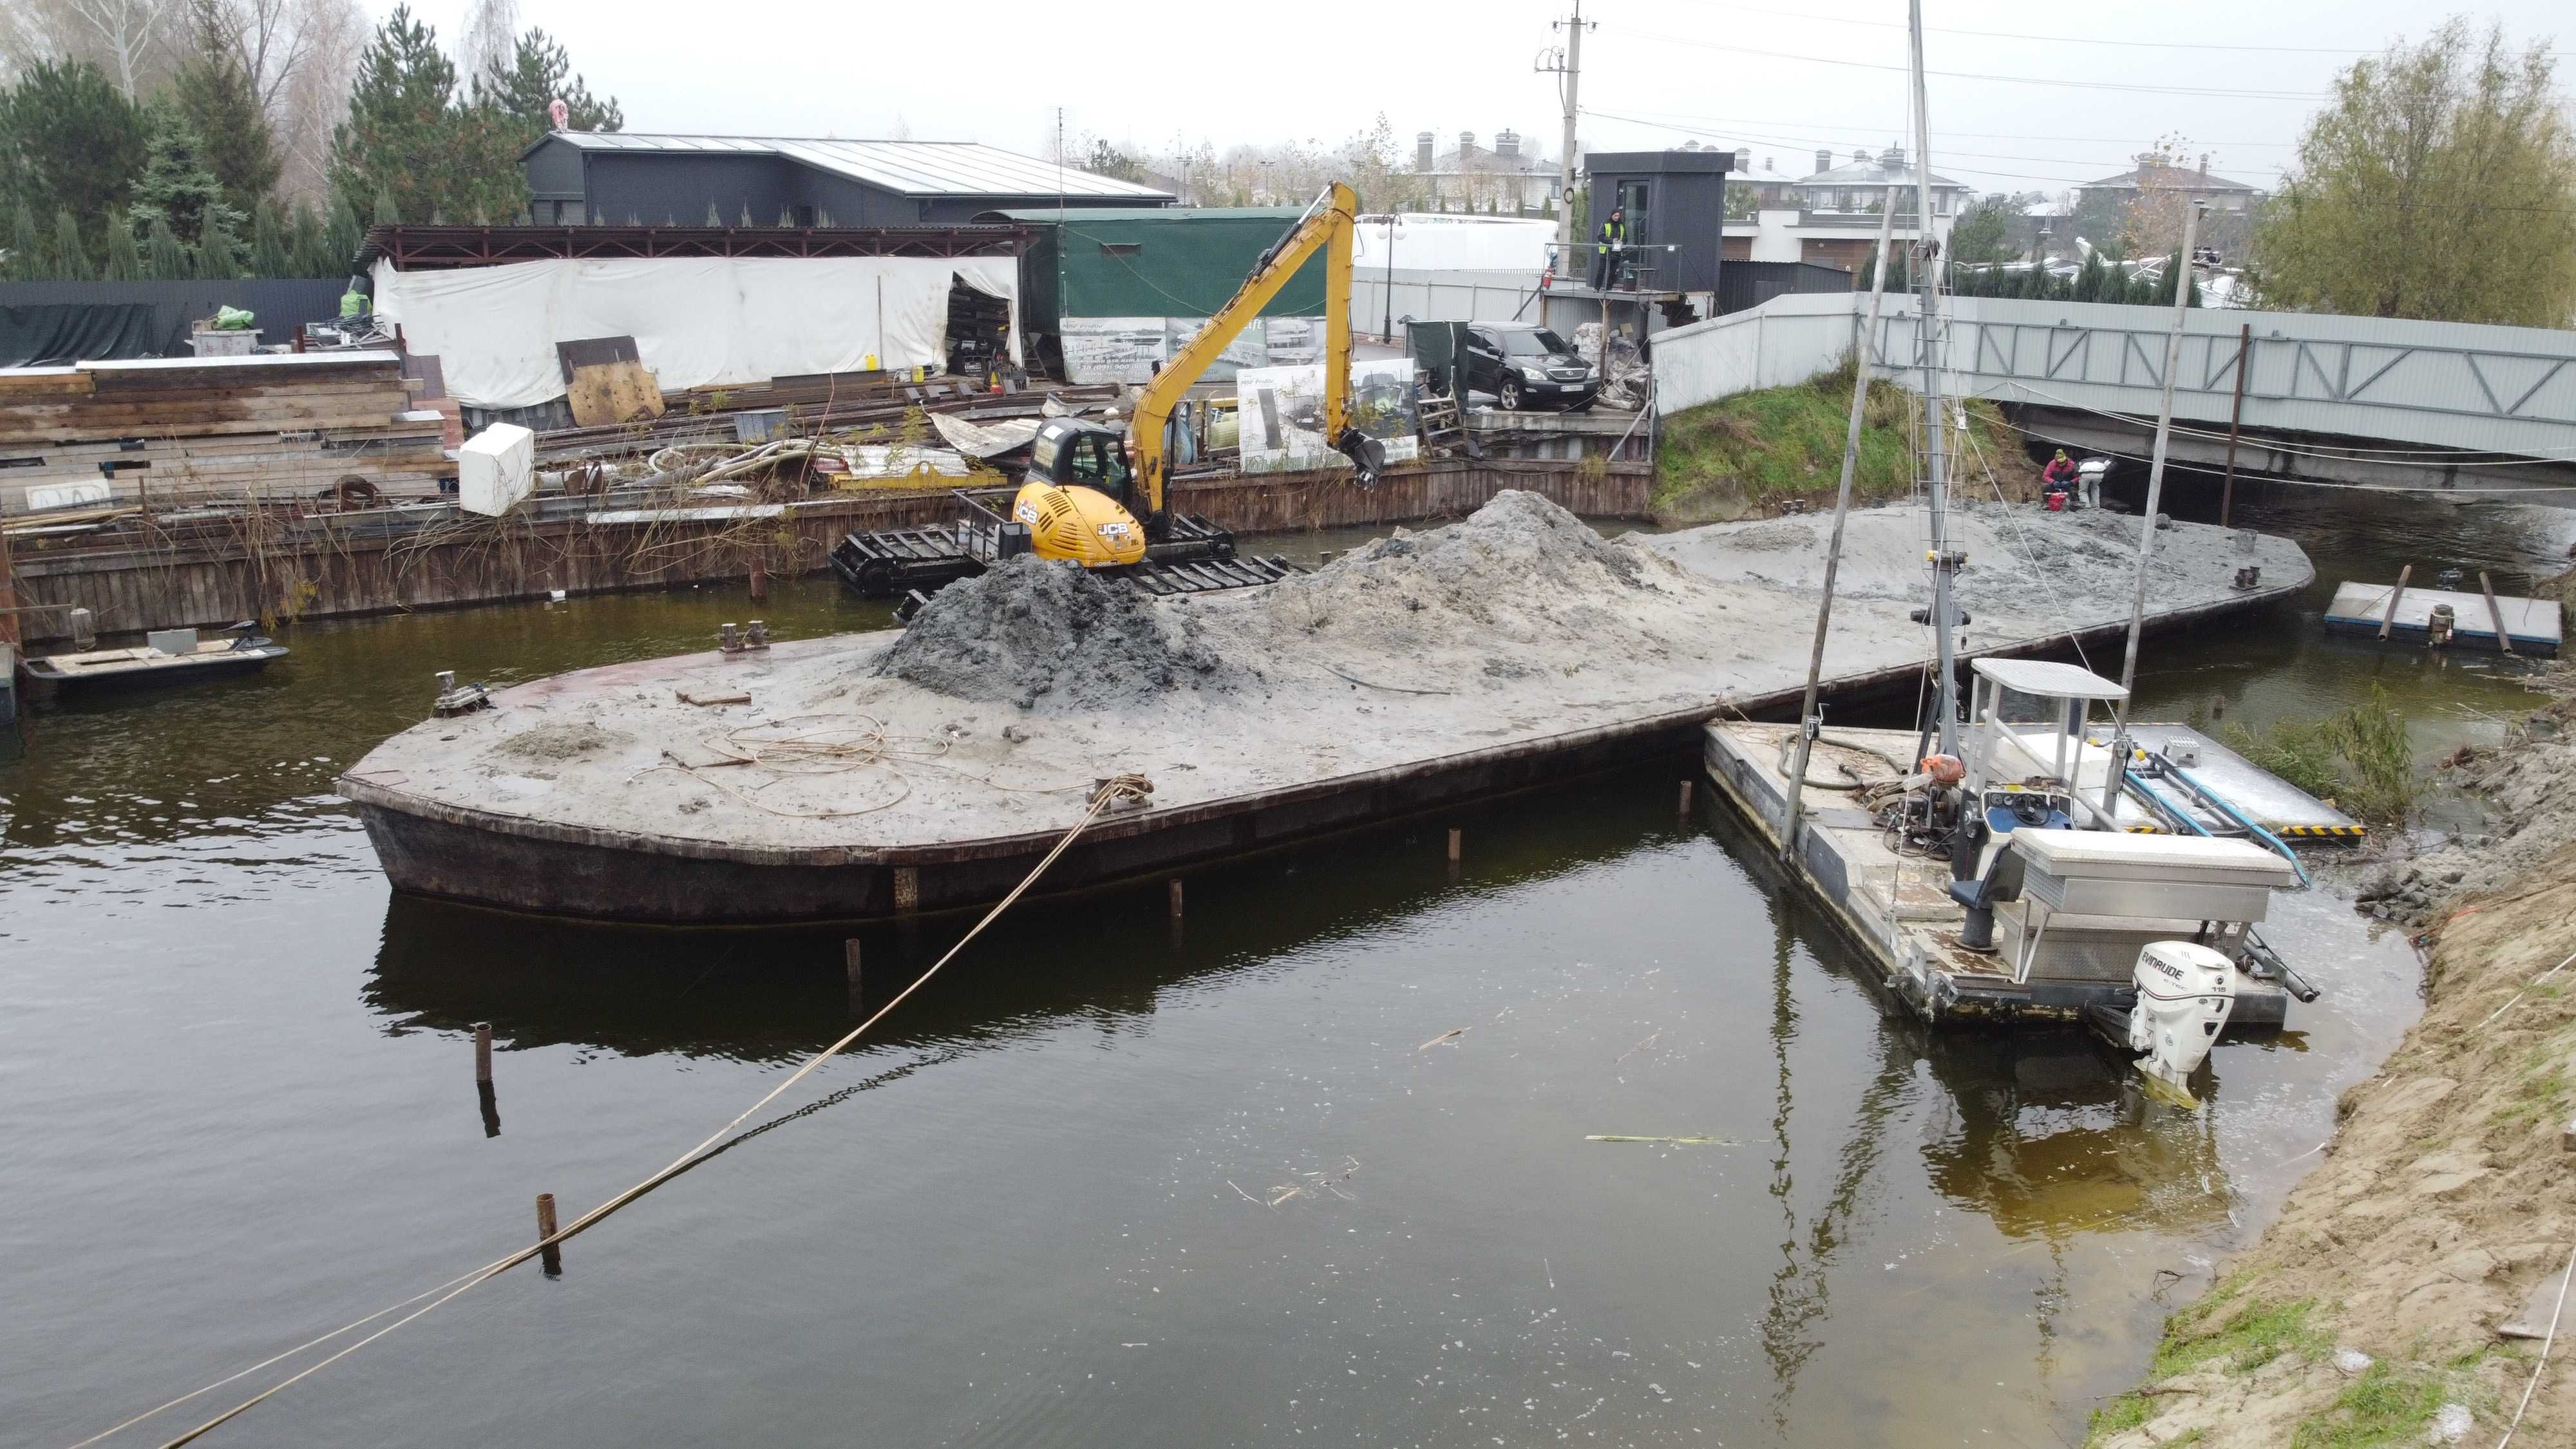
x: 2040, y: 676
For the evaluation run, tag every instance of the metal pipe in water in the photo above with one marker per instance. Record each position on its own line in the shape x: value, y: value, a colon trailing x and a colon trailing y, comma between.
x: 1796, y: 780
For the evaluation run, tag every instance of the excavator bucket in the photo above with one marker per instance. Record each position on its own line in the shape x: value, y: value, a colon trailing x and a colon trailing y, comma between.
x: 1367, y: 455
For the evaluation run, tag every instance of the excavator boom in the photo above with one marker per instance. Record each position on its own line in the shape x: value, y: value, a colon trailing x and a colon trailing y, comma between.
x: 1327, y: 224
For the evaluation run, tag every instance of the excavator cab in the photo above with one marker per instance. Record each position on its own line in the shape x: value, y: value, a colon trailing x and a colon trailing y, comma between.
x: 1078, y: 500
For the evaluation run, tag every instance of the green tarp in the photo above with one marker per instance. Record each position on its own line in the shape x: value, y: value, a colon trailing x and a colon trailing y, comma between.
x: 1167, y: 262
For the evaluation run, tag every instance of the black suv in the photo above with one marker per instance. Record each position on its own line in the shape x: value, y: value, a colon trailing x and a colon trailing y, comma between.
x: 1522, y: 363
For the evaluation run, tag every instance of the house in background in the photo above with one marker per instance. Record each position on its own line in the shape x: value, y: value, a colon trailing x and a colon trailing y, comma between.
x: 617, y: 178
x: 1830, y: 215
x: 2157, y: 173
x: 1509, y: 177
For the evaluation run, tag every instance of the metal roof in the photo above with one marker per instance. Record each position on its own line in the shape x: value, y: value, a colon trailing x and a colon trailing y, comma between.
x: 909, y: 168
x: 1175, y: 214
x: 2045, y: 676
x: 2190, y: 181
x: 1870, y: 173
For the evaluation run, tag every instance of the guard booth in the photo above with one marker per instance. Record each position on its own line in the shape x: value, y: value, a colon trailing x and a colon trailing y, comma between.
x: 1676, y: 215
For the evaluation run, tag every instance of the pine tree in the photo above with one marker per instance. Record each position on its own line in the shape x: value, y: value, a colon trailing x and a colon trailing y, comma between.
x: 270, y: 254
x: 124, y: 260
x: 164, y: 258
x: 746, y: 214
x: 341, y: 240
x: 712, y: 218
x: 26, y: 247
x: 413, y: 143
x: 540, y: 73
x: 78, y: 142
x: 386, y: 214
x: 2088, y: 282
x: 221, y: 103
x: 218, y: 260
x: 176, y: 184
x: 71, y: 254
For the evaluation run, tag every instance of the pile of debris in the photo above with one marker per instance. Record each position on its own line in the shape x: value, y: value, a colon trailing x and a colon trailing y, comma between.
x: 1047, y: 630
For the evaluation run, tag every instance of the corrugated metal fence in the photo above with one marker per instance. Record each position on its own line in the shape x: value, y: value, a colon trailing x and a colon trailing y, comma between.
x: 282, y: 306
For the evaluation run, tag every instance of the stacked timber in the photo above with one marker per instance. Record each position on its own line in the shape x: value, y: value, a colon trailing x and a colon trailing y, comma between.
x: 209, y: 428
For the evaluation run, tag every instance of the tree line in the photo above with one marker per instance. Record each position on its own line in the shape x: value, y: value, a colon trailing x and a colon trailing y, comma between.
x: 112, y: 168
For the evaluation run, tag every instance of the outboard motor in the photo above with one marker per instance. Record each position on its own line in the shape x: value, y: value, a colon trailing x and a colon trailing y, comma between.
x: 2185, y: 993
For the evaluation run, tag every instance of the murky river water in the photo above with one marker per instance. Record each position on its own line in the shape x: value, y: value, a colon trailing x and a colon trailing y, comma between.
x: 1101, y: 1184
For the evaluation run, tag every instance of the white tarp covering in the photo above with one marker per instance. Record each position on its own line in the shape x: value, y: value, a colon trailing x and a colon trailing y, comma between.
x: 697, y: 322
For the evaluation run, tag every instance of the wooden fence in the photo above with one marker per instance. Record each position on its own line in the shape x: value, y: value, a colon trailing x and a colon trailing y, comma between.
x: 330, y: 566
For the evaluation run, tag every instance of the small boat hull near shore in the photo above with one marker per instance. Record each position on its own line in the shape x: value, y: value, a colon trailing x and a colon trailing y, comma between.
x: 52, y: 677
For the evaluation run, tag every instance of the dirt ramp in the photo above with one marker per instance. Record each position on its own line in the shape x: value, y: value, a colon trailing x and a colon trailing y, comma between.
x: 1038, y: 632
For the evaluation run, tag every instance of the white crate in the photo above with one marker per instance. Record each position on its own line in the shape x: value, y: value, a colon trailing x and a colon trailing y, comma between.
x: 495, y: 469
x: 224, y: 342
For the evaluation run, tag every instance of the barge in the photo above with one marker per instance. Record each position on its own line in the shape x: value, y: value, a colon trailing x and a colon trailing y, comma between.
x: 1498, y: 654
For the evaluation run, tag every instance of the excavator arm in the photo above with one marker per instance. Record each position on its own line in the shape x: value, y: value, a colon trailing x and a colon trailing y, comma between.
x: 1327, y: 225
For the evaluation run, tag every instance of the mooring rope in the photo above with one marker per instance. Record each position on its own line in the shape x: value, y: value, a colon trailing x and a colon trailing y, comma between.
x: 1129, y: 789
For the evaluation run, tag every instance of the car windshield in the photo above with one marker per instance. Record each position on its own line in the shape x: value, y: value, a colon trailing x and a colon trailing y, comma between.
x: 1536, y: 343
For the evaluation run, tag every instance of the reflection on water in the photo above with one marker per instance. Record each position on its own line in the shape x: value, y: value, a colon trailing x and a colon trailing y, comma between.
x: 1076, y: 1191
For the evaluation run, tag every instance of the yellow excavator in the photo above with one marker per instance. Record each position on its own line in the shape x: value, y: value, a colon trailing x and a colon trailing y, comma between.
x: 1101, y: 500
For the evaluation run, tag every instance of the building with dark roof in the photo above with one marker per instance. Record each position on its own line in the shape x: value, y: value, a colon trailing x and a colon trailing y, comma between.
x: 1829, y: 217
x: 2158, y: 173
x: 621, y: 178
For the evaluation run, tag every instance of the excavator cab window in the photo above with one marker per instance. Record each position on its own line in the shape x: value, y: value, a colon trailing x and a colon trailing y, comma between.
x: 1094, y: 460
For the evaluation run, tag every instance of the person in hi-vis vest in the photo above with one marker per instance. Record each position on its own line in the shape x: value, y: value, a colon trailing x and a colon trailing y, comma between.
x: 1605, y: 257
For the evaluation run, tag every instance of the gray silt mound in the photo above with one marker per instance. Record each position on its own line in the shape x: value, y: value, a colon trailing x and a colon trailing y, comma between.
x: 1041, y: 631
x: 1519, y: 572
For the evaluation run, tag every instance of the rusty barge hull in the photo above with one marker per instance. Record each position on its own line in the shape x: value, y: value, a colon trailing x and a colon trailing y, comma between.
x: 519, y: 863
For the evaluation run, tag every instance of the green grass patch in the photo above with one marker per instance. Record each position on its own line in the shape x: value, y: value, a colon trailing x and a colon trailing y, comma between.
x: 2116, y: 1417
x: 2384, y: 1406
x: 2241, y: 1342
x: 2360, y: 759
x: 1779, y: 443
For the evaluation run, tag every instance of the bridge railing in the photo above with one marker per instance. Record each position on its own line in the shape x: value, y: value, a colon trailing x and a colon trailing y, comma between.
x: 2441, y: 384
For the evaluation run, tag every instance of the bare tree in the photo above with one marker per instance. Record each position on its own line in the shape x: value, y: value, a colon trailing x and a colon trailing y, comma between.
x: 491, y: 39
x: 311, y: 96
x: 128, y: 34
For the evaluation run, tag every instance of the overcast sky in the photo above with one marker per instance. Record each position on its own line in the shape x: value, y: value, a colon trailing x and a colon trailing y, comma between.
x: 1655, y: 73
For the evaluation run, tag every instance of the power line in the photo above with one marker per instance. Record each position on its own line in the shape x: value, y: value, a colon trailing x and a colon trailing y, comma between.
x: 1673, y: 118
x: 2216, y: 92
x: 2069, y: 39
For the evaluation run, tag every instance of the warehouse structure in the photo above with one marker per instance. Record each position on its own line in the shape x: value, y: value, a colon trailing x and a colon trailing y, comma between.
x: 618, y: 178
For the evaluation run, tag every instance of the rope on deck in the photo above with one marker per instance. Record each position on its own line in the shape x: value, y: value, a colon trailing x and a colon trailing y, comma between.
x: 1117, y: 791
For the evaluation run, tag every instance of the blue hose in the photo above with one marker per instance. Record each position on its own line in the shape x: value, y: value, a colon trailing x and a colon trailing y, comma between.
x: 2224, y: 807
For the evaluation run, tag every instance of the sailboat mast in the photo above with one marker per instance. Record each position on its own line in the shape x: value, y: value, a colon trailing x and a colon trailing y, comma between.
x: 1945, y: 561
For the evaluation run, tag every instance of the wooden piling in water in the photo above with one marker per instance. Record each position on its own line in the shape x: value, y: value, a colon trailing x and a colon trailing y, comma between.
x: 850, y: 960
x: 1686, y: 798
x: 483, y: 1052
x: 551, y: 1255
x: 1454, y: 836
x: 1176, y: 897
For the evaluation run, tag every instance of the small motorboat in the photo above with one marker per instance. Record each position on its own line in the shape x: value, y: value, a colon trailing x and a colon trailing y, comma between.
x: 166, y: 657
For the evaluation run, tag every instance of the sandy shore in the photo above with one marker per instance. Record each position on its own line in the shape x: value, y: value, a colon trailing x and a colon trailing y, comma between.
x: 2375, y: 1310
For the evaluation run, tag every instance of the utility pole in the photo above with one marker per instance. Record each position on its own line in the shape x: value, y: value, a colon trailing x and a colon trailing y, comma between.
x: 2155, y: 497
x: 1567, y: 65
x: 1927, y: 345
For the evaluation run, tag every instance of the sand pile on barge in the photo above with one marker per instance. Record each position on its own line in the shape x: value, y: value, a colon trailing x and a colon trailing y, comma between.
x: 1519, y: 587
x: 1044, y: 631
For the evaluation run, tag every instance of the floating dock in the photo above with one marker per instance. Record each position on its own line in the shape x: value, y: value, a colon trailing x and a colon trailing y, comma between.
x: 2048, y: 966
x: 2532, y: 624
x: 868, y: 775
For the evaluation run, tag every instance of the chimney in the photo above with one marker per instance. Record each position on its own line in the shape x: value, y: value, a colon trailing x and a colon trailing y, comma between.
x: 1425, y: 151
x: 1824, y: 160
x: 1893, y: 158
x: 1466, y: 147
x: 2204, y: 166
x: 1507, y: 144
x: 1860, y: 158
x: 1743, y: 162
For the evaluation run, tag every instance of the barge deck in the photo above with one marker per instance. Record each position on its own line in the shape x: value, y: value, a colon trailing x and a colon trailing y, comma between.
x: 1497, y: 654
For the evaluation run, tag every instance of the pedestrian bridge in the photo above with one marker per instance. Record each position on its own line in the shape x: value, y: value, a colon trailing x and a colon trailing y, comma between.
x: 2393, y: 403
